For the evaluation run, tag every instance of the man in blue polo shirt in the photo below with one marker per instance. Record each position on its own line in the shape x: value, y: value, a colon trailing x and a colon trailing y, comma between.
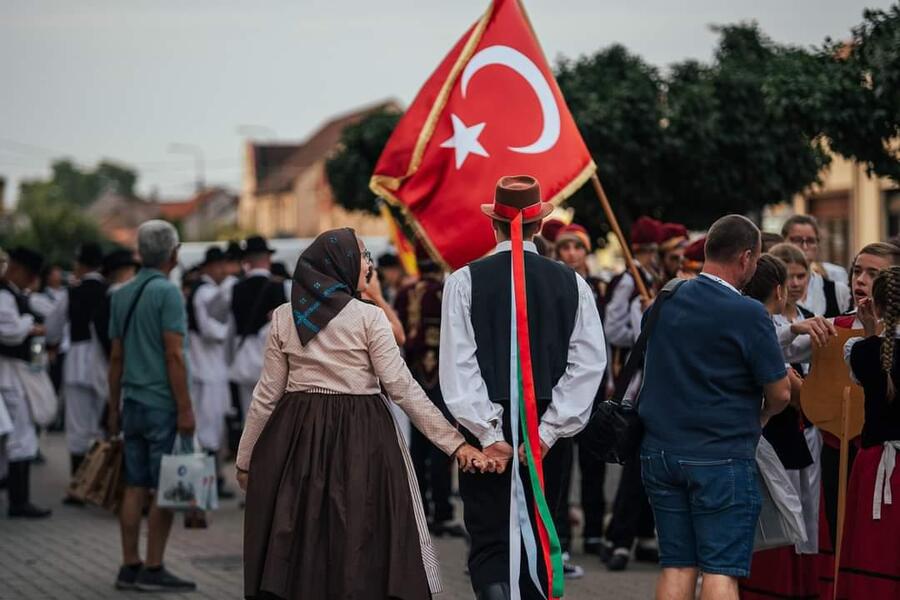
x: 713, y: 373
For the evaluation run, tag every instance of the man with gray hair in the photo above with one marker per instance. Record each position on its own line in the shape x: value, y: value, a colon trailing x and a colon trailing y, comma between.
x: 713, y: 374
x: 148, y: 373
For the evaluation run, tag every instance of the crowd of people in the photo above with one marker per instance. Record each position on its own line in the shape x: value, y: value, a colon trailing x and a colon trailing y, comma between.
x: 243, y: 353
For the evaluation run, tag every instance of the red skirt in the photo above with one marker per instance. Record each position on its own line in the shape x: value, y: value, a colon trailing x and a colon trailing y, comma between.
x: 781, y: 573
x: 870, y: 556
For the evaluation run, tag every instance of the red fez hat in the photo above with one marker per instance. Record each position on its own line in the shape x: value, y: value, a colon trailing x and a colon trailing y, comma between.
x: 672, y: 236
x: 696, y: 251
x: 575, y: 233
x: 646, y: 232
x: 517, y: 194
x: 551, y: 229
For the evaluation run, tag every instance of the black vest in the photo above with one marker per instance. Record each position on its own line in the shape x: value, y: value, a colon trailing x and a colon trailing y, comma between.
x: 191, y: 313
x: 251, y: 302
x: 552, y: 296
x: 21, y: 351
x: 84, y: 300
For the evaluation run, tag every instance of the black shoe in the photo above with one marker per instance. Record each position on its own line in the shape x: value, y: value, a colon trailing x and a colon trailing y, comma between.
x: 619, y: 560
x: 647, y: 555
x: 28, y: 511
x: 494, y: 591
x: 128, y: 576
x: 160, y: 580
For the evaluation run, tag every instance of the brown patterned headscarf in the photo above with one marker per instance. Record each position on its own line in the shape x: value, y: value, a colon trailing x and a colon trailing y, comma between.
x: 325, y: 281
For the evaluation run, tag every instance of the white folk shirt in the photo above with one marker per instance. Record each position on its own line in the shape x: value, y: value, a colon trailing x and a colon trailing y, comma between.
x: 815, y: 295
x: 81, y: 366
x: 465, y: 392
x: 207, y: 344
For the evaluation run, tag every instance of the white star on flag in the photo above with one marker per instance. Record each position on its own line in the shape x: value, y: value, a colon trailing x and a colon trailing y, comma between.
x: 465, y: 140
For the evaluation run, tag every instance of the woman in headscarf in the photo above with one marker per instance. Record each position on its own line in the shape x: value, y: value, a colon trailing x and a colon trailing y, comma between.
x: 333, y: 509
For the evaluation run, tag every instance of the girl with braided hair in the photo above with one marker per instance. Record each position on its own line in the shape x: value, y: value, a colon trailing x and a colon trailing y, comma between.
x: 870, y: 559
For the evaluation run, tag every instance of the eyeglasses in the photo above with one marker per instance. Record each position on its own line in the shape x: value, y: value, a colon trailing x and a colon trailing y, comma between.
x: 368, y: 256
x: 803, y: 241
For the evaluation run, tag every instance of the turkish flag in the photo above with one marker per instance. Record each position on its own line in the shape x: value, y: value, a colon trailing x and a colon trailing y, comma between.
x: 492, y: 108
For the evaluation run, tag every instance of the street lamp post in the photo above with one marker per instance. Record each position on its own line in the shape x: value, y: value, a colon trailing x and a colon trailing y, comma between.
x: 197, y: 153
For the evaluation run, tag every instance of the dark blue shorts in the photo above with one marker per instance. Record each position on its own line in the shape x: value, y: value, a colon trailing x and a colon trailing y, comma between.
x: 706, y: 510
x: 149, y: 433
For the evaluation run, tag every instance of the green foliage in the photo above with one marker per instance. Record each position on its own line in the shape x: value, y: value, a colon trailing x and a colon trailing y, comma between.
x: 49, y: 215
x: 351, y: 167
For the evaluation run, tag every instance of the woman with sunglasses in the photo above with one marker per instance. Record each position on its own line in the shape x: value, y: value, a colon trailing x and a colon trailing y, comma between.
x: 333, y: 508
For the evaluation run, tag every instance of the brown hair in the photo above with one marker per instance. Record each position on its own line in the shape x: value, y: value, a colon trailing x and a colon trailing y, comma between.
x: 881, y: 250
x: 790, y: 254
x: 771, y: 272
x: 886, y: 295
x: 729, y: 237
x: 770, y: 239
x: 799, y: 220
x: 529, y: 230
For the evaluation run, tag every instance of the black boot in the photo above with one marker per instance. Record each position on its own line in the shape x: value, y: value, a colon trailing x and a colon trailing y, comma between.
x: 494, y: 591
x: 19, y: 504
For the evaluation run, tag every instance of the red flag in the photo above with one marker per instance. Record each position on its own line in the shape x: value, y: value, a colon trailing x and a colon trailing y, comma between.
x: 491, y: 108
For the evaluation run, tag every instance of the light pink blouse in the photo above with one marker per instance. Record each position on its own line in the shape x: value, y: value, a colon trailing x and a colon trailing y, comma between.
x: 355, y: 354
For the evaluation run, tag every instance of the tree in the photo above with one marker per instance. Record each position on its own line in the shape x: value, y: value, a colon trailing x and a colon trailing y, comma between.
x: 731, y: 146
x: 614, y: 97
x: 350, y: 168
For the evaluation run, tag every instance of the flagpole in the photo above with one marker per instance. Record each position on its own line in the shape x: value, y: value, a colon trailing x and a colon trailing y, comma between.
x: 626, y: 250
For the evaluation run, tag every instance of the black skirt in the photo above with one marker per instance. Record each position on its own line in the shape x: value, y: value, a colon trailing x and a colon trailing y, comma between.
x: 329, y: 513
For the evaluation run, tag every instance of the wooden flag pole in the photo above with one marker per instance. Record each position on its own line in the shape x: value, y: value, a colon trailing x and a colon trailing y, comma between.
x: 842, y: 484
x: 626, y: 250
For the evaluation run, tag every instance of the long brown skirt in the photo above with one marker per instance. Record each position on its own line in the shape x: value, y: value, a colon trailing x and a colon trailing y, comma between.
x: 329, y: 512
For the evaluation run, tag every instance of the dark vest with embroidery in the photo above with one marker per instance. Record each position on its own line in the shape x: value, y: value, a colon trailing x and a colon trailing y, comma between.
x: 191, y: 311
x: 84, y: 300
x: 251, y: 302
x: 552, y: 296
x: 21, y: 351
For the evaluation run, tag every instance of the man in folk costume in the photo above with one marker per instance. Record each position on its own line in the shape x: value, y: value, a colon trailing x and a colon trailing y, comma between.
x: 418, y: 307
x: 504, y: 364
x: 252, y: 301
x: 207, y: 337
x: 84, y: 377
x: 622, y: 290
x: 19, y: 325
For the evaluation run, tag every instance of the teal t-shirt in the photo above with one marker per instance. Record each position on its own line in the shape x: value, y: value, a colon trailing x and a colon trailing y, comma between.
x: 159, y: 309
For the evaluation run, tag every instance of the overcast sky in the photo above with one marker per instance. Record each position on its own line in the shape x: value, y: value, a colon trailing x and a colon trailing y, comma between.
x: 94, y: 79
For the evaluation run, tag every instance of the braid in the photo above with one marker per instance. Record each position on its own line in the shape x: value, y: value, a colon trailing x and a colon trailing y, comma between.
x: 886, y: 293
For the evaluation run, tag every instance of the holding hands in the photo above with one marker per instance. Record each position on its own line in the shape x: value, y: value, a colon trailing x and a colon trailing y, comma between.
x: 819, y: 329
x: 470, y: 459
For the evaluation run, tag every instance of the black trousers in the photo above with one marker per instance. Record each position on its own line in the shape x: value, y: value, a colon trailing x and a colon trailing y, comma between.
x: 557, y: 483
x: 433, y: 471
x: 593, y: 498
x: 632, y: 515
x: 486, y: 500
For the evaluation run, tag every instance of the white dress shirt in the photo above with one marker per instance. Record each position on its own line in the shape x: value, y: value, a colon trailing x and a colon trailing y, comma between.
x: 815, y: 295
x: 207, y: 344
x: 14, y: 329
x: 465, y: 392
x: 836, y: 273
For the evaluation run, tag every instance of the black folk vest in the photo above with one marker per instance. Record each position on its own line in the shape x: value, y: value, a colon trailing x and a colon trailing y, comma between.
x: 251, y: 302
x: 84, y: 300
x: 191, y: 311
x: 552, y: 296
x: 21, y: 351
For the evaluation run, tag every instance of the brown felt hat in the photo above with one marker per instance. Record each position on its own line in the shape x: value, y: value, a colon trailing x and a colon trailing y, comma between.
x: 515, y: 194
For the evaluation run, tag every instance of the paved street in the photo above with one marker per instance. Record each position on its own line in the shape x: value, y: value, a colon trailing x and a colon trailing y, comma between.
x: 74, y: 555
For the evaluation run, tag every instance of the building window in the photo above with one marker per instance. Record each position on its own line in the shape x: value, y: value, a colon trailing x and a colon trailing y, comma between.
x: 833, y: 214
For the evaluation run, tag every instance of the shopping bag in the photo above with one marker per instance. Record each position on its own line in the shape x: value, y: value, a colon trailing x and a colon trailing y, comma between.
x: 187, y: 478
x: 39, y: 391
x: 106, y: 492
x: 101, y: 466
x: 781, y: 517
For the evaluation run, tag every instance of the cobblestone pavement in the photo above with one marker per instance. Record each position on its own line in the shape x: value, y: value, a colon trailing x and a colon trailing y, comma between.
x: 74, y: 555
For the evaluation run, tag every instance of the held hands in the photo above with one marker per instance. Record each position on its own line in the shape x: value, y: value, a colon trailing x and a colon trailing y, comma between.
x: 819, y: 329
x: 499, y: 453
x: 470, y: 460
